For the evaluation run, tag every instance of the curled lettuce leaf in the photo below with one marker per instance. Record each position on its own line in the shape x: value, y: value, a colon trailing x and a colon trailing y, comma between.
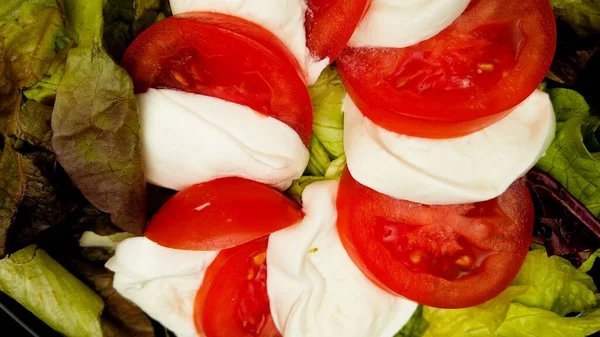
x: 327, y: 159
x: 573, y: 158
x: 35, y: 194
x: 318, y: 161
x: 96, y: 124
x: 546, y: 289
x: 327, y: 95
x: 49, y: 291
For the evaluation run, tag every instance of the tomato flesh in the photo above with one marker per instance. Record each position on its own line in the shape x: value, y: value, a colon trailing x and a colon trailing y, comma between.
x: 448, y: 256
x: 330, y: 23
x: 225, y: 57
x: 463, y: 79
x: 221, y: 214
x: 233, y: 300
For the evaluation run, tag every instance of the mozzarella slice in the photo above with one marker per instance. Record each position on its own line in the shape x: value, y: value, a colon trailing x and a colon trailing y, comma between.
x: 398, y: 24
x: 476, y: 167
x: 189, y: 139
x: 284, y: 18
x: 314, y: 287
x: 161, y: 281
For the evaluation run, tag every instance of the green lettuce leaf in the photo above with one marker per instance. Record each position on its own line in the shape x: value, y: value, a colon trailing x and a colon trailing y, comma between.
x: 96, y: 123
x: 35, y: 193
x: 573, y: 158
x: 45, y: 288
x: 523, y: 321
x: 582, y: 15
x: 416, y: 325
x: 554, y: 285
x: 333, y: 172
x: 125, y: 19
x: 318, y: 161
x: 327, y: 95
x: 546, y: 289
x: 327, y: 159
x: 589, y: 263
x: 28, y: 50
x: 85, y: 259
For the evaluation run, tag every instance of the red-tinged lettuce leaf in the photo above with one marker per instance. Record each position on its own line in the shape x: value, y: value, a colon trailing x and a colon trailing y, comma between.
x: 28, y: 48
x: 564, y: 225
x: 35, y: 195
x: 96, y: 123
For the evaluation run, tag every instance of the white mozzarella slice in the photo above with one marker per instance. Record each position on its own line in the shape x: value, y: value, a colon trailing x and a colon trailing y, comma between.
x: 398, y: 24
x: 314, y: 287
x: 189, y: 139
x: 476, y: 167
x: 284, y: 18
x: 161, y: 281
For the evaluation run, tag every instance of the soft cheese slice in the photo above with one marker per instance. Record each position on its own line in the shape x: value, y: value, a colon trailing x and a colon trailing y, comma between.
x: 188, y: 139
x: 476, y: 167
x: 314, y: 287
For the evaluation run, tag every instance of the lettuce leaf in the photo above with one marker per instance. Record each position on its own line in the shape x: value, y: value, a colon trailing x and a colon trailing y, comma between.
x: 96, y: 123
x: 546, y: 289
x: 125, y: 19
x: 327, y: 95
x: 333, y: 172
x: 416, y: 325
x: 318, y: 161
x: 327, y: 159
x: 120, y: 316
x: 573, y: 158
x: 35, y: 193
x: 563, y: 224
x: 554, y: 285
x: 582, y: 15
x: 45, y: 288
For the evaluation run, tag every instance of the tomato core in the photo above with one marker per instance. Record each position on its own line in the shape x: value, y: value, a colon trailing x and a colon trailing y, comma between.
x: 483, y: 59
x: 253, y: 305
x: 452, y: 258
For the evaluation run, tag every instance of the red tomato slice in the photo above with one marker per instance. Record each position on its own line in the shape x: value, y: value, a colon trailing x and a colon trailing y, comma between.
x: 226, y: 57
x: 463, y: 79
x: 233, y: 300
x: 330, y: 23
x: 450, y: 256
x: 221, y: 214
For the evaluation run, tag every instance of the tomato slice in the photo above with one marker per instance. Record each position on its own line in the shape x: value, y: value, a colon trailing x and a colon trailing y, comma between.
x: 221, y: 214
x: 449, y: 256
x: 233, y: 299
x: 330, y: 23
x: 225, y: 57
x: 463, y: 79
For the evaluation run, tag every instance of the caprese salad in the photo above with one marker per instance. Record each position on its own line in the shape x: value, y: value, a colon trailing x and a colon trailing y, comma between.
x: 425, y: 205
x: 439, y: 126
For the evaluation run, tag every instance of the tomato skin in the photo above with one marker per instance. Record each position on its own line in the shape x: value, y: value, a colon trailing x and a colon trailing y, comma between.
x: 419, y: 257
x: 465, y: 78
x: 226, y: 290
x: 221, y: 214
x: 225, y: 57
x: 330, y: 24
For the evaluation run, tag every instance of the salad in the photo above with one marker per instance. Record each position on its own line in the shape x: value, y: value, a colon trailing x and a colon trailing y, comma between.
x: 301, y: 168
